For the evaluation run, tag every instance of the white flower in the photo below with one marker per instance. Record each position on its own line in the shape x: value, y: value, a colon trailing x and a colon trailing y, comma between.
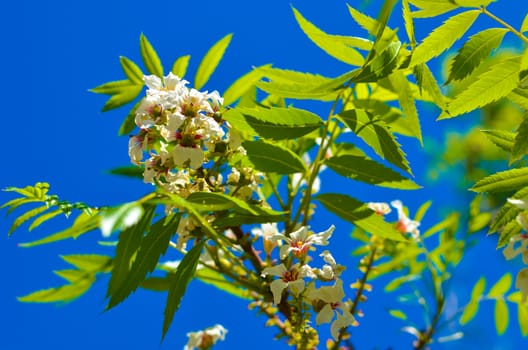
x: 266, y: 231
x: 331, y: 270
x: 205, y: 339
x: 292, y: 279
x: 404, y: 224
x: 135, y: 149
x: 332, y: 297
x: 380, y: 208
x: 192, y: 157
x: 300, y: 241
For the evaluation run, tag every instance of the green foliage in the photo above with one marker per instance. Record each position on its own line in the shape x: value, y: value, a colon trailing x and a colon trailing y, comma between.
x: 179, y: 68
x: 504, y: 181
x: 150, y: 57
x: 273, y: 158
x: 520, y: 145
x: 210, y: 61
x: 178, y: 284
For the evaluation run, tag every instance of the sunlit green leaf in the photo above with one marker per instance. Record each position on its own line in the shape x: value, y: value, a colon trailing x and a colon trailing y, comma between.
x: 60, y: 294
x: 179, y: 282
x: 428, y: 84
x: 243, y: 84
x: 369, y: 171
x: 25, y: 217
x: 273, y: 158
x: 511, y: 229
x: 333, y: 45
x: 129, y: 123
x: 122, y: 92
x: 503, y: 181
x: 524, y: 25
x: 478, y: 289
x: 408, y: 22
x: 151, y: 247
x: 88, y: 262
x: 280, y: 123
x: 430, y: 8
x: 43, y: 218
x: 502, y: 286
x: 380, y: 66
x: 398, y: 314
x: 470, y: 311
x: 354, y: 211
x: 520, y: 146
x: 443, y: 37
x: 150, y: 57
x: 370, y: 24
x: 132, y: 71
x: 501, y: 316
x: 179, y: 68
x: 497, y: 82
x: 475, y: 50
x: 376, y: 133
x: 522, y: 317
x: 501, y: 138
x: 210, y: 61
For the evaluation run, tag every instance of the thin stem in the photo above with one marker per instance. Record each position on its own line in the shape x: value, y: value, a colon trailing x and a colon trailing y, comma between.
x: 248, y: 248
x: 506, y: 25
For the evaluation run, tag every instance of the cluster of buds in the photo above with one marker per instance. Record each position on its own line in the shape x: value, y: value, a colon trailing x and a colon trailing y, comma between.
x: 305, y: 283
x: 518, y: 245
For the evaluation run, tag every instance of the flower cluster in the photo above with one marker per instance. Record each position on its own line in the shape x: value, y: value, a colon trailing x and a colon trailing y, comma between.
x: 180, y: 128
x: 300, y: 279
x: 518, y: 245
x: 205, y: 339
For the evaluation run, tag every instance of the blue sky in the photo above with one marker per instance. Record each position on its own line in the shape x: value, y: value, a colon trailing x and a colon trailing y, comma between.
x: 53, y: 53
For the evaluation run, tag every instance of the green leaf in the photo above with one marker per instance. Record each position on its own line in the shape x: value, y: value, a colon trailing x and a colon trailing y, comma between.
x: 408, y: 22
x: 371, y: 24
x: 501, y: 316
x: 376, y: 133
x: 368, y: 171
x: 273, y: 158
x: 520, y: 96
x: 145, y: 257
x: 179, y: 282
x: 132, y: 71
x: 503, y: 181
x: 470, y: 311
x: 38, y: 191
x: 402, y: 86
x: 218, y: 201
x: 478, y: 289
x: 420, y: 213
x: 508, y: 212
x: 264, y: 216
x: 520, y: 146
x: 210, y: 61
x: 127, y: 248
x: 150, y: 57
x: 129, y: 124
x: 333, y: 45
x: 443, y: 37
x: 179, y: 68
x: 156, y: 284
x: 510, y: 230
x: 122, y: 91
x: 524, y: 25
x: 83, y: 224
x: 120, y: 217
x: 299, y: 85
x: 60, y: 294
x: 243, y: 84
x: 427, y: 83
x: 522, y: 317
x: 475, y: 50
x: 380, y: 66
x: 359, y: 214
x: 502, y: 286
x: 497, y: 82
x: 501, y: 138
x: 217, y: 280
x: 25, y: 217
x: 89, y: 262
x: 280, y: 123
x: 43, y: 218
x: 398, y: 314
x: 430, y: 8
x: 71, y: 275
x: 128, y: 171
x: 398, y: 281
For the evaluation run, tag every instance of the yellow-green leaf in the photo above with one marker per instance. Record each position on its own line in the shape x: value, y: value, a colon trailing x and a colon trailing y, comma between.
x: 501, y: 316
x: 150, y: 57
x: 408, y: 22
x: 501, y: 138
x: 243, y: 84
x: 478, y: 289
x: 503, y: 181
x: 522, y: 317
x: 520, y: 146
x: 470, y: 311
x: 60, y: 294
x: 443, y: 37
x: 44, y: 217
x: 428, y: 8
x: 179, y: 68
x: 25, y: 217
x: 210, y: 61
x: 132, y: 71
x: 524, y: 26
x: 497, y: 82
x: 502, y: 286
x: 398, y: 314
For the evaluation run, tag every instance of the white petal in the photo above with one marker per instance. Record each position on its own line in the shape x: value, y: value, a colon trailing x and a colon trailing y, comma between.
x: 519, y: 203
x: 277, y: 287
x: 153, y: 82
x: 296, y: 286
x: 325, y: 315
x: 278, y: 270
